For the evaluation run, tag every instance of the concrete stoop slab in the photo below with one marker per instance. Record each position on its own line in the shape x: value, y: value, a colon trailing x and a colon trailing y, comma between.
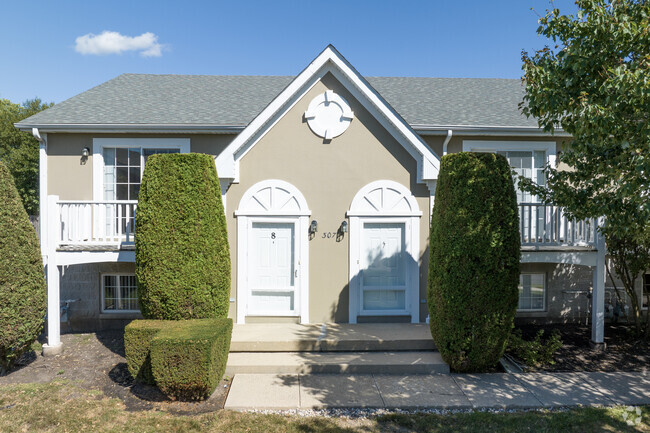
x: 426, y: 362
x: 441, y: 391
x: 415, y: 392
x: 287, y: 337
x: 335, y: 391
x: 263, y: 391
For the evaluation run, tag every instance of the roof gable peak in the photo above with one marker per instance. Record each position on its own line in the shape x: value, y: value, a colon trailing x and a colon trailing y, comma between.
x: 329, y: 61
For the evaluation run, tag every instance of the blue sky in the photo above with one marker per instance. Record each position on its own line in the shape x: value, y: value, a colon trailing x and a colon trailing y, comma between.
x: 462, y: 38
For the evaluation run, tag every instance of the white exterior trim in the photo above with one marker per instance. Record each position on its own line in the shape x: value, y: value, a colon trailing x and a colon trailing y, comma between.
x: 103, y: 297
x: 273, y: 211
x: 328, y: 61
x: 496, y: 145
x: 366, y: 209
x: 536, y: 310
x: 182, y: 144
x: 42, y: 194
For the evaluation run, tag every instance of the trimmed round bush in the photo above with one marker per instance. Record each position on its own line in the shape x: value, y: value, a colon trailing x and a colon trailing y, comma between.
x: 22, y: 277
x: 473, y: 260
x: 182, y: 259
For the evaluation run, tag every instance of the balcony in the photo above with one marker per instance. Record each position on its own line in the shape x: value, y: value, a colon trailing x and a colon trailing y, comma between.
x: 543, y: 225
x: 88, y: 225
x: 91, y: 224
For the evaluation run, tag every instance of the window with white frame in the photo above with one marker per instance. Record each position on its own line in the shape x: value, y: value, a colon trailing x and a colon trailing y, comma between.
x: 123, y: 168
x: 532, y: 292
x: 527, y: 159
x: 118, y: 164
x: 529, y: 164
x: 119, y: 293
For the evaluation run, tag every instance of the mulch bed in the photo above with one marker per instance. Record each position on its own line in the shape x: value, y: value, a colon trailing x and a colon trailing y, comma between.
x: 623, y: 351
x: 96, y: 361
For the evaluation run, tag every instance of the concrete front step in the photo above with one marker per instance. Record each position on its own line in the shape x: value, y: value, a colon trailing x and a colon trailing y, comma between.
x: 335, y: 337
x: 417, y: 362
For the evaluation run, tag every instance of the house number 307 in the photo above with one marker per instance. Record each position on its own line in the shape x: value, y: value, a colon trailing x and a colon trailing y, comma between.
x: 328, y: 235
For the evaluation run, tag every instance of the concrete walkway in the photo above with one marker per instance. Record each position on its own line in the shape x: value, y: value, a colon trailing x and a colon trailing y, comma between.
x: 442, y: 391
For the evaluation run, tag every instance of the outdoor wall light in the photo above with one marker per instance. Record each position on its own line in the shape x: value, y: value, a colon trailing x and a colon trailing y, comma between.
x: 313, y: 227
x: 344, y: 227
x: 85, y: 152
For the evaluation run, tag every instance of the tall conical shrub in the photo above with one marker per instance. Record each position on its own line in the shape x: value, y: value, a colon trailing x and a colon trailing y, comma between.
x: 22, y: 278
x: 182, y: 257
x: 473, y: 260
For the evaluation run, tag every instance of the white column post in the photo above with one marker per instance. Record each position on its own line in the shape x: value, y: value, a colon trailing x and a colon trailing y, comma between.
x: 598, y: 297
x: 53, y: 346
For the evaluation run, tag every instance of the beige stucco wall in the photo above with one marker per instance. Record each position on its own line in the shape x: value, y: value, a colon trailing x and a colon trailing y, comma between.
x: 455, y: 145
x: 71, y: 177
x: 329, y: 174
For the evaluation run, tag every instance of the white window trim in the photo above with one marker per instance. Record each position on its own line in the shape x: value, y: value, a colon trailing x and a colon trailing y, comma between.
x: 182, y: 144
x: 493, y: 146
x: 533, y: 310
x: 245, y: 219
x: 411, y: 219
x: 102, y: 293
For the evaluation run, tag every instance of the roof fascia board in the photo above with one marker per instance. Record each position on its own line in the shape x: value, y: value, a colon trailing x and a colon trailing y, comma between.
x: 228, y: 161
x: 487, y: 130
x: 131, y: 128
x: 428, y: 161
x: 243, y: 149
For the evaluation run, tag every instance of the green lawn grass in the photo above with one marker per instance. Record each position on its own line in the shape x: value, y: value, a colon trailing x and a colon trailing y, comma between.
x: 64, y: 407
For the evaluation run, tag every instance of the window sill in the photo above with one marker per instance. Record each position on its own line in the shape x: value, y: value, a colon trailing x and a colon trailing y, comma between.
x: 120, y: 315
x: 531, y: 313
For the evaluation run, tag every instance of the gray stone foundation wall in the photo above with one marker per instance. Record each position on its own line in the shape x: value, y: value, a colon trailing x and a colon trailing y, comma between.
x: 82, y: 283
x: 567, y: 287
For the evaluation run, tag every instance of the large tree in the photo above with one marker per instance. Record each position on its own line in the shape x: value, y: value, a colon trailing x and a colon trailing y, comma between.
x: 19, y: 150
x: 594, y: 83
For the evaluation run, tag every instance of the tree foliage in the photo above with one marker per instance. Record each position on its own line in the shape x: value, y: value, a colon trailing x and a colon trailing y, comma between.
x: 473, y: 260
x: 22, y: 279
x: 595, y: 84
x: 182, y: 257
x: 19, y: 150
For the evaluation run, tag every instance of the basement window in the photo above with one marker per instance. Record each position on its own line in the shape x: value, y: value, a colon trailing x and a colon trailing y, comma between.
x: 119, y: 293
x: 532, y: 292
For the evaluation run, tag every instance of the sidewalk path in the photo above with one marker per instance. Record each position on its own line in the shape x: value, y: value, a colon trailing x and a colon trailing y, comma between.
x: 443, y: 391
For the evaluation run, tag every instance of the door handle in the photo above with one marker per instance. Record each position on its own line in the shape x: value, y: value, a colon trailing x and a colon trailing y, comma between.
x: 295, y: 273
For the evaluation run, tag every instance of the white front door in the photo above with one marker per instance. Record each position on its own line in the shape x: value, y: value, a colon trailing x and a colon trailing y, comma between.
x: 273, y: 270
x: 384, y: 276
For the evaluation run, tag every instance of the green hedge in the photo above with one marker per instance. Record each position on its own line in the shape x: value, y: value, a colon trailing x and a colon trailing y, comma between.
x: 137, y: 344
x: 188, y: 359
x: 182, y: 256
x: 473, y: 260
x: 22, y: 277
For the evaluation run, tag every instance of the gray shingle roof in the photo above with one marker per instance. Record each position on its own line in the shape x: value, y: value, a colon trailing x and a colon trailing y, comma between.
x: 235, y: 100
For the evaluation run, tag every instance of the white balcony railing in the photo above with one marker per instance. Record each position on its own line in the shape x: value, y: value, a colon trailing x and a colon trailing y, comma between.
x: 112, y: 222
x: 97, y: 222
x: 543, y: 224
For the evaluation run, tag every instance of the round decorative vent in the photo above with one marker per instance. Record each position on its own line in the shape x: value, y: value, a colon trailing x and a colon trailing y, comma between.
x: 328, y: 115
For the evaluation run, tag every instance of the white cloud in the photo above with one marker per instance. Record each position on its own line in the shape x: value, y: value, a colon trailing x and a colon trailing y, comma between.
x: 115, y: 43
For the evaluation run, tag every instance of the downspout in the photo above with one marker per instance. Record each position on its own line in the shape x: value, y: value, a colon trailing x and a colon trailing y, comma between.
x: 42, y: 188
x: 447, y: 140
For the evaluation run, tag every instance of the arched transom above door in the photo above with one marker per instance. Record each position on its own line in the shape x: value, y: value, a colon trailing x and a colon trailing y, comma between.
x: 385, y: 198
x: 273, y: 197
